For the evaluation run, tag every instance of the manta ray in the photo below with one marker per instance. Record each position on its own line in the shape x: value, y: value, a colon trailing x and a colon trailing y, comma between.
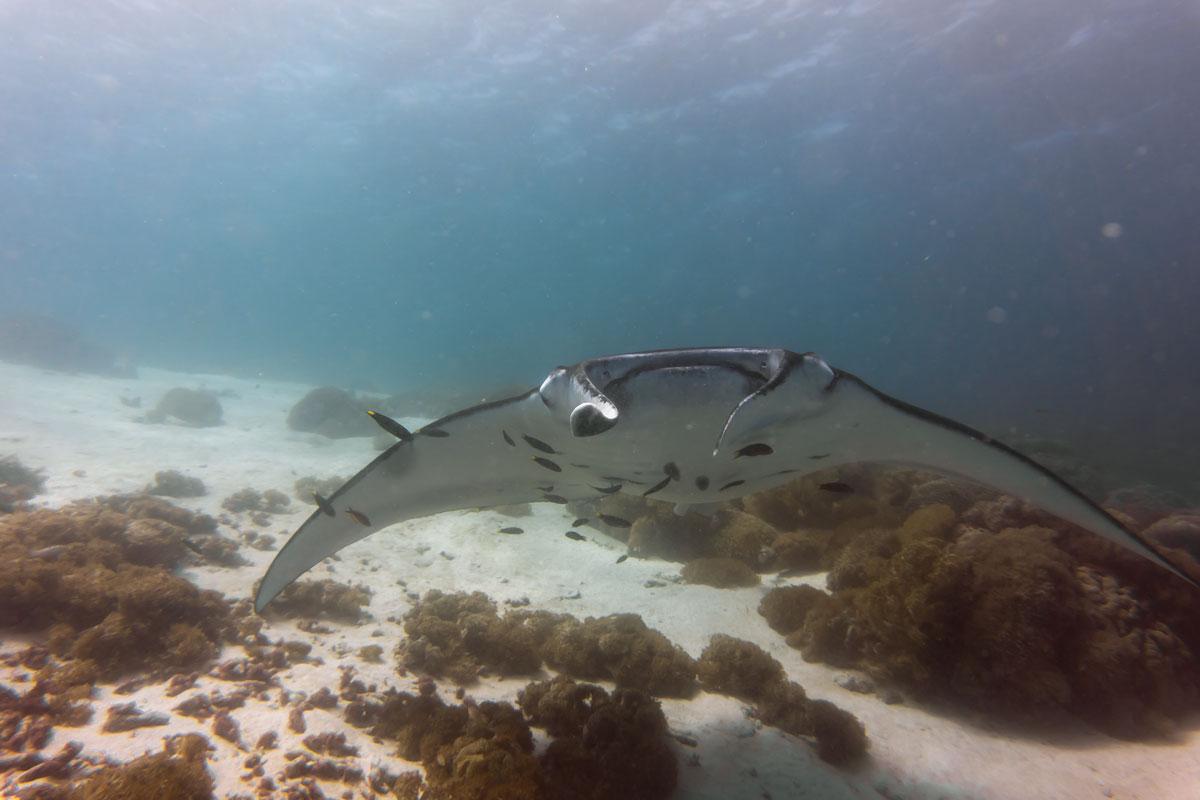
x: 693, y: 427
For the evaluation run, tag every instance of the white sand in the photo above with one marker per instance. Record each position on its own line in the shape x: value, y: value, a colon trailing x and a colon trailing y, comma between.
x: 88, y: 443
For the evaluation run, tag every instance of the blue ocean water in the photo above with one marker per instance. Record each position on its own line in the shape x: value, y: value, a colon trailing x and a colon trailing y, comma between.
x: 986, y: 208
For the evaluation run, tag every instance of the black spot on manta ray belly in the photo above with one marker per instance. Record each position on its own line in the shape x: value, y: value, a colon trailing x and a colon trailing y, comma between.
x: 756, y: 449
x: 508, y: 439
x: 608, y: 490
x: 672, y: 470
x: 538, y: 444
x: 555, y: 498
x: 819, y: 456
x: 730, y: 485
x: 702, y: 482
x: 547, y: 463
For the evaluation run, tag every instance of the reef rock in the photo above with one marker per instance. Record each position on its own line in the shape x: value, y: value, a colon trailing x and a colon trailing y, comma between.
x: 331, y: 412
x: 461, y: 636
x: 1178, y: 532
x: 721, y: 573
x: 1023, y: 622
x: 195, y: 407
x: 172, y: 483
x: 621, y: 648
x: 18, y: 484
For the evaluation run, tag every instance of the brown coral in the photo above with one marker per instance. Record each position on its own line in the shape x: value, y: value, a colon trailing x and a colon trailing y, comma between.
x: 738, y: 668
x: 18, y: 484
x: 605, y: 746
x: 314, y: 599
x: 784, y: 608
x: 1011, y: 622
x: 621, y: 648
x: 151, y: 777
x: 746, y: 671
x: 97, y: 573
x: 460, y: 636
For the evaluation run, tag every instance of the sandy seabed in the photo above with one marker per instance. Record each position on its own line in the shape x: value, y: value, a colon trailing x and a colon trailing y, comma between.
x: 76, y: 429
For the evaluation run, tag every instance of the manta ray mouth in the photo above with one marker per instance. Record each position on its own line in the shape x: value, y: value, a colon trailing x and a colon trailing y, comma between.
x: 639, y: 423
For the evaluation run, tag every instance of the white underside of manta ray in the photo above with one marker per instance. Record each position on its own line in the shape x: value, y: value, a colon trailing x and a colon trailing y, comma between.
x: 691, y: 427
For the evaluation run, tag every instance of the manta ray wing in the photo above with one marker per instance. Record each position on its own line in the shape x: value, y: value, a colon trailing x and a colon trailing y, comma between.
x: 863, y: 424
x: 492, y: 454
x: 645, y: 424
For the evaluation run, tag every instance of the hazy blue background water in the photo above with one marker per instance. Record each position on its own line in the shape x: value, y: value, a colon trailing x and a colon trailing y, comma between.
x: 989, y: 208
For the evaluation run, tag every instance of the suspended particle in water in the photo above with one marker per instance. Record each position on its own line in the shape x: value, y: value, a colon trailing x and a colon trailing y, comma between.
x: 1111, y: 230
x: 997, y: 315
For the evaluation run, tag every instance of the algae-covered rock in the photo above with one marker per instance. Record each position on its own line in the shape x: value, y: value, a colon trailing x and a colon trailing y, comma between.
x: 721, y: 573
x: 799, y: 551
x: 737, y: 667
x: 461, y: 636
x: 785, y: 608
x: 151, y: 777
x: 744, y: 670
x: 742, y: 537
x: 172, y: 483
x: 621, y: 648
x: 1011, y: 622
x: 314, y: 599
x: 331, y: 412
x: 604, y: 745
x: 1177, y: 532
x: 420, y: 725
x: 99, y: 579
x: 841, y: 738
x: 195, y: 407
x: 272, y: 501
x: 18, y: 484
x: 310, y: 485
x: 560, y: 705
